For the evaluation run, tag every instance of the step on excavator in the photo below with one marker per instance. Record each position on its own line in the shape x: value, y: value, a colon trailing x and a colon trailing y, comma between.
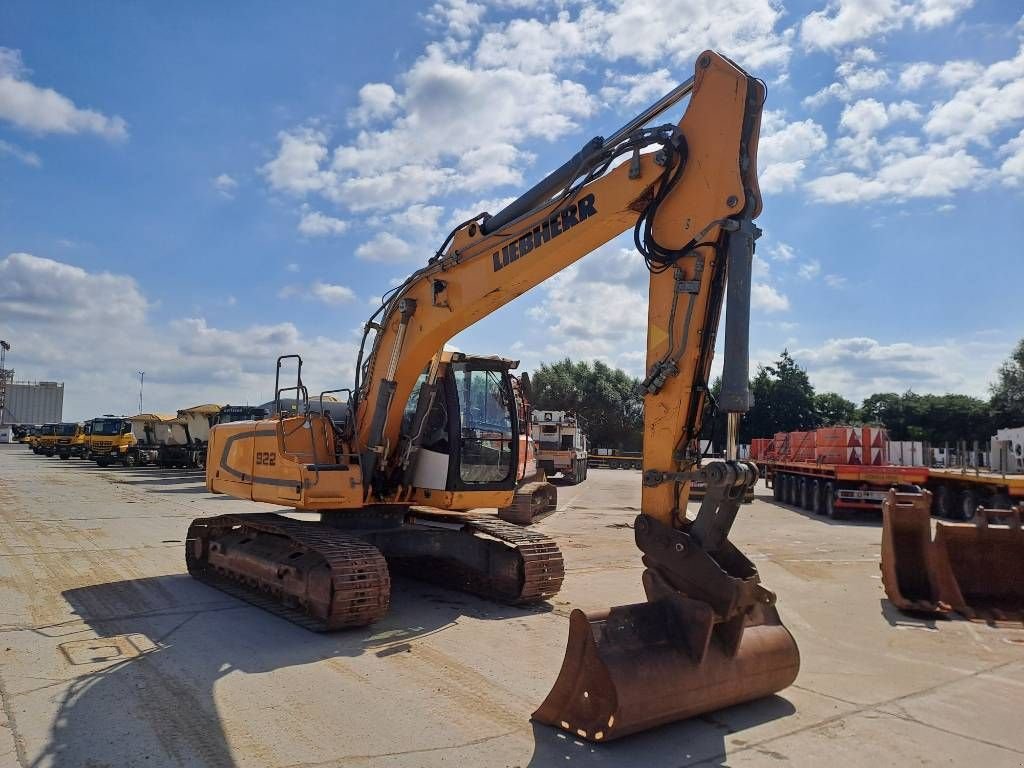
x: 427, y: 436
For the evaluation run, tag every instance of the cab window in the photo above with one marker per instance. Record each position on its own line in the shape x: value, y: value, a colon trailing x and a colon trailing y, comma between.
x: 485, y: 411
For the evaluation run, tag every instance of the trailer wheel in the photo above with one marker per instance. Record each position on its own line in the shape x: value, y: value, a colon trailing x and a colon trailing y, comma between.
x: 830, y: 503
x: 65, y: 456
x: 944, y: 503
x: 790, y: 489
x: 968, y: 504
x: 816, y: 498
x: 777, y: 487
x: 1000, y: 501
x: 805, y: 493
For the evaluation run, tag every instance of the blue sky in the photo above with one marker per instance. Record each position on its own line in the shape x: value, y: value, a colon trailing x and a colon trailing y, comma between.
x: 191, y: 190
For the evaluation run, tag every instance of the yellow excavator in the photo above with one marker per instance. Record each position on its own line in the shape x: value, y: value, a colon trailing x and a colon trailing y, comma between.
x: 428, y: 436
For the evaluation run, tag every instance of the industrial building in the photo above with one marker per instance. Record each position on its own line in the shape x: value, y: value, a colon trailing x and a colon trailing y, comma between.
x: 33, y: 402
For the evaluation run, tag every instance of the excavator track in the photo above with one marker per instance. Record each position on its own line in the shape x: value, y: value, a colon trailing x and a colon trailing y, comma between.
x: 543, y: 566
x: 531, y: 502
x: 318, y: 577
x: 526, y: 568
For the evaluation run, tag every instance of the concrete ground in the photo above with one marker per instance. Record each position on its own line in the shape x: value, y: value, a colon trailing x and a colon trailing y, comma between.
x: 111, y: 656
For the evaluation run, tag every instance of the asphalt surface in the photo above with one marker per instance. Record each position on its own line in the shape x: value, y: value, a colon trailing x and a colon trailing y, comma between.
x: 110, y: 655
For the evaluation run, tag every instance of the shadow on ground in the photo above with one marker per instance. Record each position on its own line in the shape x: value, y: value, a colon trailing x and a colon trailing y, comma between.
x: 144, y: 695
x: 699, y: 741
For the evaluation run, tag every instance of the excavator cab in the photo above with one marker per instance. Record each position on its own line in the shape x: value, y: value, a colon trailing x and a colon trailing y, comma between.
x: 468, y: 440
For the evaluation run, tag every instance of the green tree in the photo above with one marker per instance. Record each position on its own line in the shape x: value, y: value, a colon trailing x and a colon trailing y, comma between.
x: 607, y: 399
x: 1008, y: 391
x: 932, y: 418
x: 784, y: 400
x: 832, y: 408
x: 886, y: 409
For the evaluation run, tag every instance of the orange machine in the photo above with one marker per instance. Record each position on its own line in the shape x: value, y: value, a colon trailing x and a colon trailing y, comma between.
x: 426, y: 429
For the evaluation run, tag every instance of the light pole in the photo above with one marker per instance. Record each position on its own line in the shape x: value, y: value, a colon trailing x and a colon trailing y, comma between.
x: 142, y: 383
x: 4, y: 346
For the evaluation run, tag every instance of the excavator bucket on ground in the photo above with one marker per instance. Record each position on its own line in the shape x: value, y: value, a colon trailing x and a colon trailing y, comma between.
x: 975, y: 568
x: 708, y: 637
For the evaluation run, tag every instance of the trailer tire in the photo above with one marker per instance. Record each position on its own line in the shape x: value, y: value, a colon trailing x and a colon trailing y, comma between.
x: 790, y: 489
x: 65, y: 456
x: 777, y: 487
x: 944, y: 503
x: 830, y: 503
x: 805, y: 493
x: 1000, y: 501
x: 816, y: 498
x: 968, y: 504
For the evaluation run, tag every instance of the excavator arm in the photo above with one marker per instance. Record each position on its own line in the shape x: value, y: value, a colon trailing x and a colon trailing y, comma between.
x: 690, y: 193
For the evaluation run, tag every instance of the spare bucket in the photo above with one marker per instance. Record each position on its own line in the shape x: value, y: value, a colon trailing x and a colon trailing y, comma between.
x: 974, y: 568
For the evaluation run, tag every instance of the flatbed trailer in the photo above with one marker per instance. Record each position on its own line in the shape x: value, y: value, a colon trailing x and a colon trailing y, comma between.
x: 958, y: 491
x: 836, y: 489
x: 616, y: 460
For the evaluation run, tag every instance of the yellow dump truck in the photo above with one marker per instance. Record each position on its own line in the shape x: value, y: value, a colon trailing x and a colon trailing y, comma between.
x: 68, y: 446
x: 55, y: 439
x: 111, y: 437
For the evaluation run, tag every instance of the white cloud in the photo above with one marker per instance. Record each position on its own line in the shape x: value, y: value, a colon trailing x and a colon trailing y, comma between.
x: 385, y: 247
x: 785, y: 148
x: 851, y: 80
x: 316, y: 224
x: 377, y: 101
x: 459, y: 17
x: 225, y: 186
x: 24, y: 155
x: 296, y: 168
x: 990, y: 102
x: 573, y: 310
x: 637, y: 90
x: 292, y: 266
x: 44, y: 110
x: 52, y: 315
x: 835, y: 281
x: 935, y: 172
x: 53, y: 292
x: 848, y: 21
x: 1012, y: 169
x: 782, y: 252
x: 809, y: 269
x: 650, y: 31
x: 861, y: 366
x: 767, y: 299
x: 331, y: 293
